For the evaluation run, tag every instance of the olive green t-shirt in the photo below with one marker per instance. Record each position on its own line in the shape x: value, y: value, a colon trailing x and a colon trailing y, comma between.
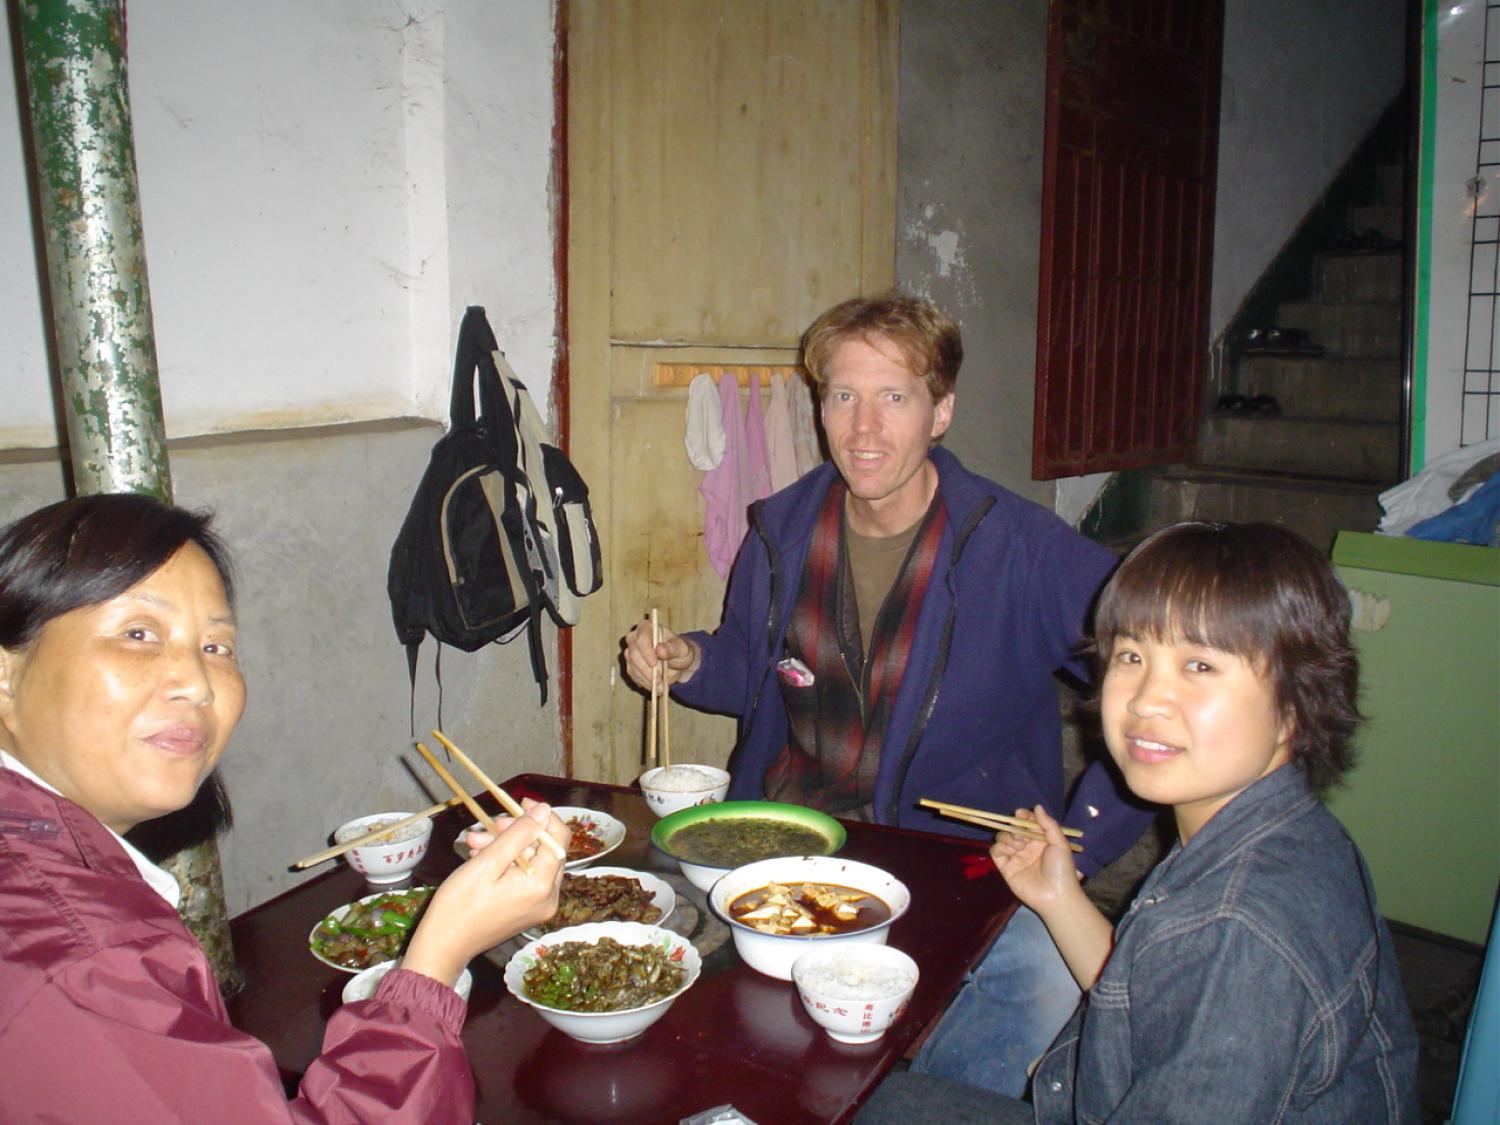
x: 874, y: 563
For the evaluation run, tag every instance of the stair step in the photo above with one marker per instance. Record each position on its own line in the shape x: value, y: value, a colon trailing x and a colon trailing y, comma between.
x: 1370, y: 331
x: 1388, y: 218
x: 1390, y: 184
x: 1341, y: 448
x: 1330, y: 386
x: 1358, y: 278
x: 1315, y: 509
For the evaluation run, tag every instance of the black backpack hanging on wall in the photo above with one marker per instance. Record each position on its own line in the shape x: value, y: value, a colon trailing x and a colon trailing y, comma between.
x: 500, y: 527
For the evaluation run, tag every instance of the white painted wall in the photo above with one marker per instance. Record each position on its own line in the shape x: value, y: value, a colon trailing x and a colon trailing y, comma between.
x: 322, y: 193
x: 1303, y: 82
x: 324, y: 188
x: 1456, y: 190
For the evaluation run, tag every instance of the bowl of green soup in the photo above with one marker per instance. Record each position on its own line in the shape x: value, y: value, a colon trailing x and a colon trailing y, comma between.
x: 709, y: 840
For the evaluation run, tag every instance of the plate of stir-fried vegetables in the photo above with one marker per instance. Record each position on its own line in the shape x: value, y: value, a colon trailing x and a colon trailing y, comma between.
x: 368, y: 932
x: 603, y: 982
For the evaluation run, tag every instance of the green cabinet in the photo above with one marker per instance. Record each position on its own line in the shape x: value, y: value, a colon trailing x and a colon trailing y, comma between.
x: 1423, y: 801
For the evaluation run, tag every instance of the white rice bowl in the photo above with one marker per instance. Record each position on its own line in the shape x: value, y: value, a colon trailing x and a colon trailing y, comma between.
x: 670, y: 788
x: 365, y: 985
x: 855, y: 992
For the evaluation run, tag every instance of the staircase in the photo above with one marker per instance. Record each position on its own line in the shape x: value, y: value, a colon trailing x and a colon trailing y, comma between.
x: 1323, y: 436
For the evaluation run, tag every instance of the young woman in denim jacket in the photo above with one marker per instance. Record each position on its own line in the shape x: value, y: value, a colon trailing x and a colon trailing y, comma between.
x: 1253, y: 978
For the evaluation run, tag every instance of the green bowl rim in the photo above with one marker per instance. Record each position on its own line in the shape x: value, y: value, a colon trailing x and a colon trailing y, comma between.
x: 818, y: 821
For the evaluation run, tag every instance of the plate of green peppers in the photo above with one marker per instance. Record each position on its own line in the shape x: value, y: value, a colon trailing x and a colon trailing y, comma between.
x: 370, y: 931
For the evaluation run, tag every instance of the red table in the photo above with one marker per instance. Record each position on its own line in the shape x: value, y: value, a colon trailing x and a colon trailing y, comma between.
x: 736, y: 1037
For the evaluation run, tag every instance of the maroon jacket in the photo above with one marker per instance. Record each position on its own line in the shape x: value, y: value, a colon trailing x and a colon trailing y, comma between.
x: 109, y: 1010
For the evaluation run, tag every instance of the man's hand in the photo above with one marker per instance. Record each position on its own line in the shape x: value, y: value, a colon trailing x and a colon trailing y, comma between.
x: 678, y: 657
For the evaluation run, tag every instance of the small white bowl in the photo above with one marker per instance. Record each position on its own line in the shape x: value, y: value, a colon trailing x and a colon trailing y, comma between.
x: 604, y: 1027
x: 661, y: 799
x: 390, y: 861
x: 365, y: 984
x: 773, y: 954
x: 855, y: 992
x: 663, y: 897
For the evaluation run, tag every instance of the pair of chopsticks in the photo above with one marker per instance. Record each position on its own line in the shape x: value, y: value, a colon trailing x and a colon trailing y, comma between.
x: 998, y: 821
x: 658, y: 712
x: 507, y: 802
x: 460, y: 797
x: 339, y: 849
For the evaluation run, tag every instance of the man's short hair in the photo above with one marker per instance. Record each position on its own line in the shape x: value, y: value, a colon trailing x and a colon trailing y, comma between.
x: 926, y: 336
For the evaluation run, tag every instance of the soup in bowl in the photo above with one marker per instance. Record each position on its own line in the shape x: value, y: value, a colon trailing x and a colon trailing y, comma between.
x: 779, y: 909
x: 711, y: 840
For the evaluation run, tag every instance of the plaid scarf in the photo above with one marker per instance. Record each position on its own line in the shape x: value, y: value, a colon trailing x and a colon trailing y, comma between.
x: 837, y: 724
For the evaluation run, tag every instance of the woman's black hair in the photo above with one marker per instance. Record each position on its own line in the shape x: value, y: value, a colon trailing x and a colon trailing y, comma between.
x: 81, y: 552
x: 1263, y: 593
x: 84, y: 551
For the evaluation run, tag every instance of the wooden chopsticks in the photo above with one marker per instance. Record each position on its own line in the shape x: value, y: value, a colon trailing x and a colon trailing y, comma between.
x: 997, y: 821
x: 374, y: 834
x: 660, y: 713
x: 507, y: 802
x: 460, y: 797
x: 473, y: 806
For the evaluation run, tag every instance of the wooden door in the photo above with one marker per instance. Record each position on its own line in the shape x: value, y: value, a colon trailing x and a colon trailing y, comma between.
x: 731, y: 174
x: 1127, y: 232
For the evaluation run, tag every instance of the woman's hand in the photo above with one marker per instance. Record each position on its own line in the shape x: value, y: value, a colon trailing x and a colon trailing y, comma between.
x: 490, y: 898
x: 1042, y: 875
x: 1038, y: 872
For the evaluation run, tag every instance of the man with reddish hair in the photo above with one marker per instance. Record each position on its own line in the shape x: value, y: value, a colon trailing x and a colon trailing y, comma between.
x: 891, y: 632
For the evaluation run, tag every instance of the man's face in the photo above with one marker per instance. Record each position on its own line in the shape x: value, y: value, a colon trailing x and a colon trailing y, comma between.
x: 880, y: 420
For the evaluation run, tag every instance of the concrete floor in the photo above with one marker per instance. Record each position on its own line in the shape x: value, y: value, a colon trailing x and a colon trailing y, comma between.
x: 1440, y: 976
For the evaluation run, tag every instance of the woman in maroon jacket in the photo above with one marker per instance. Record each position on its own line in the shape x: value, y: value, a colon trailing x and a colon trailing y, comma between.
x: 119, y: 689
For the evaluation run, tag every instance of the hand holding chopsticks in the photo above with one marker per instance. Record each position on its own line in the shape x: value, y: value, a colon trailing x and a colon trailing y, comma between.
x: 507, y: 802
x: 997, y: 821
x: 373, y: 834
x: 659, y: 716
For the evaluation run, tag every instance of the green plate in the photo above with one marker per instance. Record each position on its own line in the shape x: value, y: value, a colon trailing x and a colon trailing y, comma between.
x: 823, y: 824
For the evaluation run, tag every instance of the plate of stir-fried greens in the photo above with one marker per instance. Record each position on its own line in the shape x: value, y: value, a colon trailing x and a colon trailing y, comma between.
x: 605, y: 981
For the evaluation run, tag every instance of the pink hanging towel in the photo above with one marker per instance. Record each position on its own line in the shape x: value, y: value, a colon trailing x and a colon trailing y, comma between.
x: 723, y: 488
x: 779, y: 441
x: 757, y: 453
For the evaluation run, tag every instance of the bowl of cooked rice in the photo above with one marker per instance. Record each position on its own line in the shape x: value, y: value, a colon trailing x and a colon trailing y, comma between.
x: 603, y: 982
x: 390, y: 858
x: 855, y: 992
x: 669, y: 788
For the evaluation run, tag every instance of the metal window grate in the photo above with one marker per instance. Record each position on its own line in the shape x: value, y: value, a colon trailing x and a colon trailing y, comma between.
x: 1479, y: 407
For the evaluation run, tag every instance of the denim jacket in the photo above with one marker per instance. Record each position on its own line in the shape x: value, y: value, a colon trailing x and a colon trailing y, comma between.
x: 1251, y: 980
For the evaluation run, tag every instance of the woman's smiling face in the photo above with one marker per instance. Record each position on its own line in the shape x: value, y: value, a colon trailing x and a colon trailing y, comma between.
x: 126, y: 706
x: 1189, y: 725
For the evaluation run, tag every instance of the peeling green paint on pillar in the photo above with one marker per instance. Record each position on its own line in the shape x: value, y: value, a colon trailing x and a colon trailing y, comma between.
x: 101, y: 307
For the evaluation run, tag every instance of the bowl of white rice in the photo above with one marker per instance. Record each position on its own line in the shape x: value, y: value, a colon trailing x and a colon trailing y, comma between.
x: 390, y: 858
x: 855, y: 992
x: 670, y: 788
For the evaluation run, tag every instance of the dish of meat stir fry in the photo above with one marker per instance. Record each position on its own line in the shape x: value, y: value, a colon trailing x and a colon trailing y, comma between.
x: 609, y: 894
